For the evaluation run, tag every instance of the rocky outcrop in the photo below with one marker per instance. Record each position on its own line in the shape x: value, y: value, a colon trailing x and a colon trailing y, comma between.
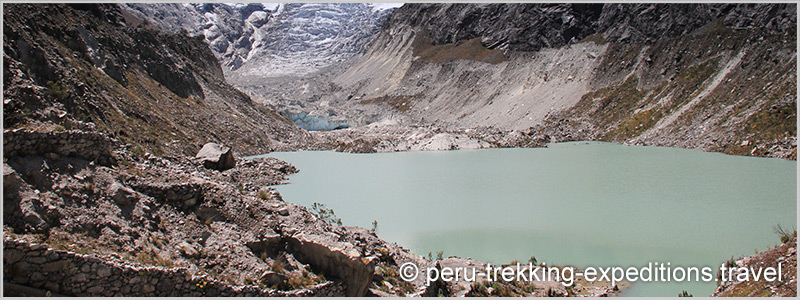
x: 216, y: 156
x: 144, y: 225
x: 340, y: 260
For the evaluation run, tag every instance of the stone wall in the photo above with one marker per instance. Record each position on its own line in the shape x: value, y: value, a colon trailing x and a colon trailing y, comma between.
x: 73, y: 274
x: 188, y: 193
x: 92, y: 146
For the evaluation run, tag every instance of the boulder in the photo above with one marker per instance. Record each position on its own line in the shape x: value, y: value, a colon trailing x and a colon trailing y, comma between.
x: 335, y: 259
x: 121, y: 194
x: 188, y: 250
x: 272, y: 278
x: 216, y: 156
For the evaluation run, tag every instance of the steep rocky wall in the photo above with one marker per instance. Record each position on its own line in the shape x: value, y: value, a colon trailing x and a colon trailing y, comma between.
x: 74, y: 274
x: 531, y: 27
x: 516, y: 27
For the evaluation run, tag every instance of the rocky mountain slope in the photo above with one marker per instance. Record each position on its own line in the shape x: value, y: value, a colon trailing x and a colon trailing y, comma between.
x: 85, y: 67
x: 101, y: 199
x: 707, y: 76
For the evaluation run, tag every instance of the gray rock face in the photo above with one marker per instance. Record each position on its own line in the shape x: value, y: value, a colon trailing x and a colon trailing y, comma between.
x: 520, y: 27
x: 531, y: 27
x: 650, y: 22
x: 216, y: 156
x: 339, y: 259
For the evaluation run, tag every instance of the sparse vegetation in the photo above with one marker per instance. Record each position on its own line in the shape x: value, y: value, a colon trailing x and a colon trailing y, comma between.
x: 612, y: 103
x: 278, y: 264
x: 784, y: 234
x: 137, y: 151
x: 58, y: 90
x: 303, y: 280
x: 150, y: 257
x: 481, y: 289
x: 595, y: 38
x: 472, y: 49
x: 324, y: 213
x: 395, y: 284
x: 401, y: 103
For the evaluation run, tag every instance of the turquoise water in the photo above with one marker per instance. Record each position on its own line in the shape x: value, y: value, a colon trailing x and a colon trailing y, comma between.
x: 582, y: 204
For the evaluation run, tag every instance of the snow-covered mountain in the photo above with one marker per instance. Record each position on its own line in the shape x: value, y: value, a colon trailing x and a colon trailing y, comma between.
x: 258, y: 40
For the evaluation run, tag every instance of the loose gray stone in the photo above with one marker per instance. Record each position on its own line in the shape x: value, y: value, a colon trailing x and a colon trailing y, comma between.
x: 104, y: 272
x: 54, y: 266
x: 95, y: 290
x: 12, y: 256
x: 216, y: 156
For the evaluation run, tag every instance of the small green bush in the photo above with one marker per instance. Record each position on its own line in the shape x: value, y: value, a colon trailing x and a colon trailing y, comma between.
x: 58, y: 90
x: 784, y: 234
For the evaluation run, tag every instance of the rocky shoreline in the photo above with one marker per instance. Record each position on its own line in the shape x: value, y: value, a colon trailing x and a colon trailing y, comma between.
x: 74, y: 226
x: 784, y: 254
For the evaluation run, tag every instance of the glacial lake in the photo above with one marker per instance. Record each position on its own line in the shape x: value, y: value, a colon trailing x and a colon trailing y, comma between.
x: 577, y: 203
